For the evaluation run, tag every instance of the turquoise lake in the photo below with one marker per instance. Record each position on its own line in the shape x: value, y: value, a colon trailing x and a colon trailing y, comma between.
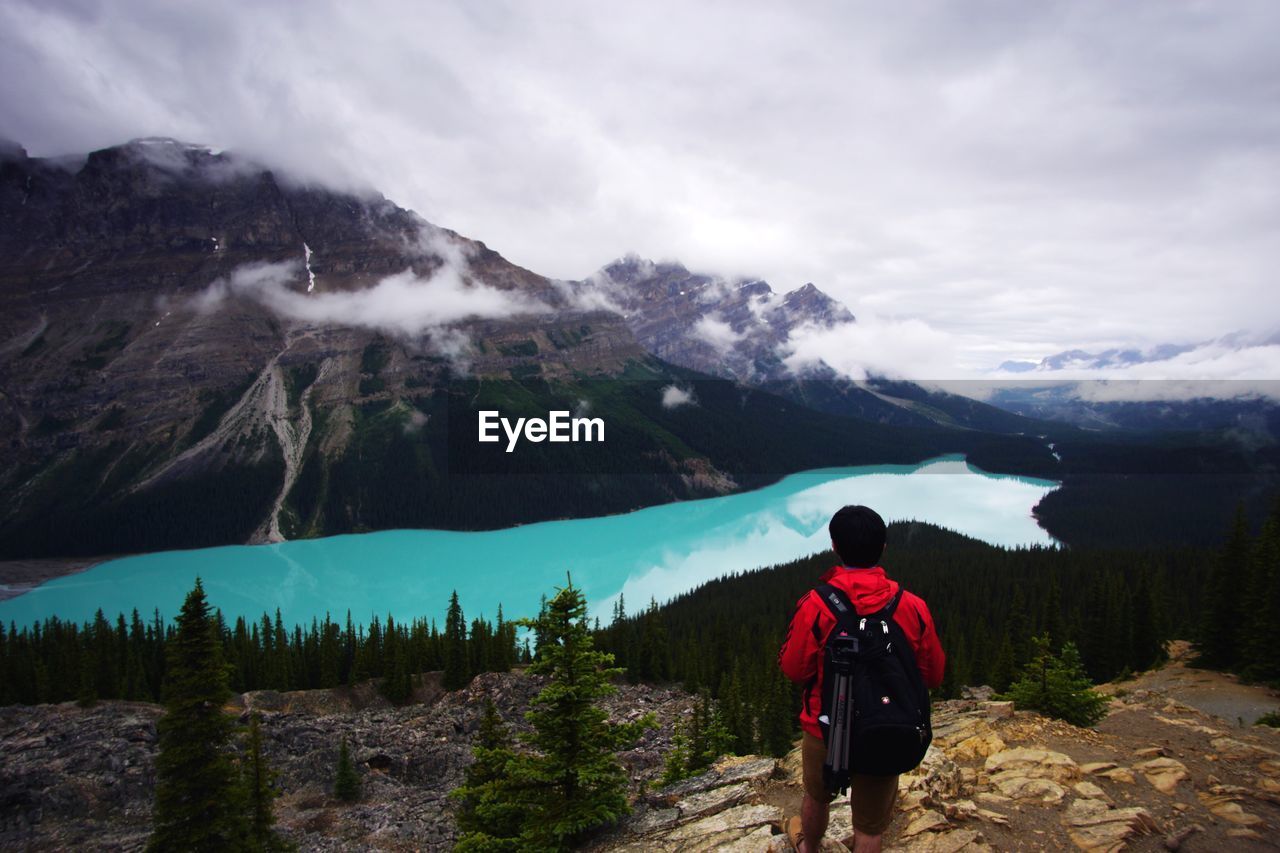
x: 657, y: 552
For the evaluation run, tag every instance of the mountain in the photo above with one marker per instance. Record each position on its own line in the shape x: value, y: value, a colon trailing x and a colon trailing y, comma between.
x: 196, y: 349
x: 173, y: 315
x: 719, y: 326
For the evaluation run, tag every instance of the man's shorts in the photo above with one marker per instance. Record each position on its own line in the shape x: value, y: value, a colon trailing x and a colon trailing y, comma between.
x: 870, y: 796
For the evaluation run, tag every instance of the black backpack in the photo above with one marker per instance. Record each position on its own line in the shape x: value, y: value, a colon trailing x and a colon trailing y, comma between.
x: 875, y: 707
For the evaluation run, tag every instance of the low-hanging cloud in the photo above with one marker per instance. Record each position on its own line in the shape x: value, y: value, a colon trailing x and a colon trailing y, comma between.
x: 872, y: 347
x: 403, y: 303
x: 713, y: 330
x: 673, y: 396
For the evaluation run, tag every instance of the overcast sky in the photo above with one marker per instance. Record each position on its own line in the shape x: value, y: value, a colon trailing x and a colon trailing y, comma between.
x: 981, y: 180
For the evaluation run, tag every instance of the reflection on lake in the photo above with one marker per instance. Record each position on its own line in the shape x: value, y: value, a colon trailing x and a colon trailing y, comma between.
x: 656, y: 552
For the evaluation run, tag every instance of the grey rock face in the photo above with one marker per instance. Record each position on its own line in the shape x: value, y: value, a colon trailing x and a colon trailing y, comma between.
x: 76, y: 778
x: 723, y: 327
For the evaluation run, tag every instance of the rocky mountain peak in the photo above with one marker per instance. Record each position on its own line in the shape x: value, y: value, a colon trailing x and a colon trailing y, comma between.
x: 730, y: 327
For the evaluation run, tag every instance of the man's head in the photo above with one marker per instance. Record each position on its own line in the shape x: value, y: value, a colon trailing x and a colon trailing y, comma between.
x: 858, y: 536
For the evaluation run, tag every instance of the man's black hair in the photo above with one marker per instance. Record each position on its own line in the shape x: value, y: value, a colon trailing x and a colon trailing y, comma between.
x: 858, y: 534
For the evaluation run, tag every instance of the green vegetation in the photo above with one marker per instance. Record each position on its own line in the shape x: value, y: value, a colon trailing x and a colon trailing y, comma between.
x: 1238, y: 627
x: 703, y: 738
x: 1271, y: 719
x: 216, y: 405
x: 198, y: 801
x: 484, y: 810
x: 202, y: 802
x: 297, y: 379
x: 78, y: 493
x: 59, y: 661
x: 346, y: 781
x: 1056, y: 685
x: 569, y: 781
x: 258, y: 781
x: 375, y: 356
x: 522, y: 349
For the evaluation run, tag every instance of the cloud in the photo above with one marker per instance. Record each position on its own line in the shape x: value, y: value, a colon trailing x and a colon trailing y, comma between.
x: 713, y: 330
x: 674, y: 396
x: 892, y: 349
x: 401, y: 304
x: 416, y: 421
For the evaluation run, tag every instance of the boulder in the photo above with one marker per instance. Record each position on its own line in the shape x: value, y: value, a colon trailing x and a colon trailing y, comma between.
x: 930, y: 821
x: 1225, y: 807
x: 978, y: 746
x: 1163, y: 773
x: 1090, y: 791
x: 1093, y: 825
x: 1018, y: 787
x: 998, y: 710
x: 738, y: 817
x: 1118, y: 774
x: 937, y: 774
x: 1097, y: 767
x: 1033, y: 764
x: 1239, y: 750
x: 712, y: 801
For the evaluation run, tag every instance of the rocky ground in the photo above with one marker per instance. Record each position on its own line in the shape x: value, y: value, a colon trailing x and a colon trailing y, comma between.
x: 1157, y: 773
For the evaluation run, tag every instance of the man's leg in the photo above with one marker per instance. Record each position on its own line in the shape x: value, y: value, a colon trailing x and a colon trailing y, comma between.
x: 813, y: 820
x: 871, y: 801
x: 815, y: 807
x: 863, y: 843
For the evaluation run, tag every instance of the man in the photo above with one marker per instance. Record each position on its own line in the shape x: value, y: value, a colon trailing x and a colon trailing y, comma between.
x: 858, y: 538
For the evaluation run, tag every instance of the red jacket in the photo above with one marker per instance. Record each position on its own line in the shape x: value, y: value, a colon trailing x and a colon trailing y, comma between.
x: 868, y: 591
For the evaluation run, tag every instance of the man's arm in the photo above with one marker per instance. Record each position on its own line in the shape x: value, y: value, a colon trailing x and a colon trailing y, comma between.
x: 798, y: 656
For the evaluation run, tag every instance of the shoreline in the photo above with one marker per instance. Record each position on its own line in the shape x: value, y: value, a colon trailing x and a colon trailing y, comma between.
x: 18, y: 577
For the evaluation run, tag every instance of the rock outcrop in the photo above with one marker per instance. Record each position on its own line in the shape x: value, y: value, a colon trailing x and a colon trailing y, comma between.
x: 1155, y: 774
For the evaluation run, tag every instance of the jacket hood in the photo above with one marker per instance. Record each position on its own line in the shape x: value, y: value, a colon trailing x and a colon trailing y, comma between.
x: 868, y: 589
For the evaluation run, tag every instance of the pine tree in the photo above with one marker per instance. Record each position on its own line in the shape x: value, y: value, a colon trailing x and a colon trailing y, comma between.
x: 1220, y: 628
x: 777, y: 718
x: 675, y: 765
x: 346, y: 782
x: 1057, y: 686
x: 260, y: 793
x: 198, y: 800
x: 571, y: 780
x: 490, y: 815
x: 456, y: 671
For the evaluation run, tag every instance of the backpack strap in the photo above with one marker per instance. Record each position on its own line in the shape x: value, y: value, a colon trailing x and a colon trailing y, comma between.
x: 846, y: 615
x: 840, y: 606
